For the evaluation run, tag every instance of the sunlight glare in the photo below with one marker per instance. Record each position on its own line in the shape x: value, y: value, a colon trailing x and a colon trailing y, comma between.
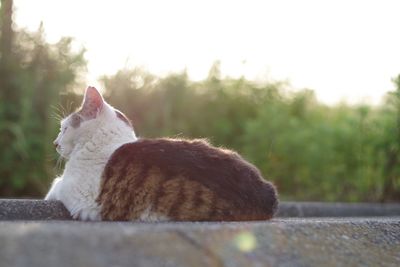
x: 341, y: 49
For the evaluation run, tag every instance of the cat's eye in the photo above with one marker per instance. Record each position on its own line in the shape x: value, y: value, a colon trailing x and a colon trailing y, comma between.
x: 63, y: 129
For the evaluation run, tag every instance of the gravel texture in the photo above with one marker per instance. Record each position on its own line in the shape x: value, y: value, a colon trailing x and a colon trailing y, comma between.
x: 24, y: 209
x: 29, y: 209
x: 335, y: 209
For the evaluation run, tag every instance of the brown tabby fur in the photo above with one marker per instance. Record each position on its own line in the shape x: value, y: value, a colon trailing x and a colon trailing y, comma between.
x: 183, y: 181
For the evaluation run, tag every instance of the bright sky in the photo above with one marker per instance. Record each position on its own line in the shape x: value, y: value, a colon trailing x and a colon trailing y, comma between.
x: 342, y: 49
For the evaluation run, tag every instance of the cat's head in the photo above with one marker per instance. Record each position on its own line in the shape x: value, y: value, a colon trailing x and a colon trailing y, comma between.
x: 94, y: 119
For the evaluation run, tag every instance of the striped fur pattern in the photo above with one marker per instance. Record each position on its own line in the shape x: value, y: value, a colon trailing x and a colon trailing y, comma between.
x: 182, y: 180
x: 111, y: 175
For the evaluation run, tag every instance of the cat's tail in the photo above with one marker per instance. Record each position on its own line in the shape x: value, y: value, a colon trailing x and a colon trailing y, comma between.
x: 269, y: 200
x: 266, y: 204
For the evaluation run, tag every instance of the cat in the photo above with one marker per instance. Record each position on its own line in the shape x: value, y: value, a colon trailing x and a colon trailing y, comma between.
x: 110, y: 174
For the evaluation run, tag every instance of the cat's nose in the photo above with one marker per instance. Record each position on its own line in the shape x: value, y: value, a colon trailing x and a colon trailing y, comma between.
x: 55, y: 144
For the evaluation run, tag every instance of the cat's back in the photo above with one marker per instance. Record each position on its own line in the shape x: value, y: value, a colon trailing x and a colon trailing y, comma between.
x: 176, y: 155
x: 196, y: 166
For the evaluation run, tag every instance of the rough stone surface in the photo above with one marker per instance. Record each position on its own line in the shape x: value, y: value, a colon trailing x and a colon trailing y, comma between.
x: 24, y: 209
x: 321, y: 209
x: 28, y: 209
x: 280, y: 242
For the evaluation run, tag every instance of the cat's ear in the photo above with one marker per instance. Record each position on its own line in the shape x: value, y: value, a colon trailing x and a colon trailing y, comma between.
x: 93, y: 103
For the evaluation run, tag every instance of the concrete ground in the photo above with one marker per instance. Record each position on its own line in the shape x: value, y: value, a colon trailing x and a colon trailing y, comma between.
x: 349, y: 241
x: 28, y: 209
x: 41, y: 233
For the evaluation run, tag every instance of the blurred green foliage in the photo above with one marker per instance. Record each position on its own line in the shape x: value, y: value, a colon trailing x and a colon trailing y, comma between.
x: 33, y: 73
x: 311, y: 151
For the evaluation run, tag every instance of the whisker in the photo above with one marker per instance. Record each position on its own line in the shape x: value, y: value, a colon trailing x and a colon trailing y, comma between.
x: 51, y: 157
x: 56, y: 117
x: 58, y: 167
x: 57, y: 113
x: 64, y: 112
x: 69, y: 107
x: 69, y: 104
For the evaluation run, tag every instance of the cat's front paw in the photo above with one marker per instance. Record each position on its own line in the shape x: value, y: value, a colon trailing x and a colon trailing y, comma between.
x: 54, y: 190
x: 87, y: 214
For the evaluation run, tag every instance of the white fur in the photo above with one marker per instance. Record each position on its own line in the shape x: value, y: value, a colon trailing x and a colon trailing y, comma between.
x: 149, y: 216
x: 87, y: 149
